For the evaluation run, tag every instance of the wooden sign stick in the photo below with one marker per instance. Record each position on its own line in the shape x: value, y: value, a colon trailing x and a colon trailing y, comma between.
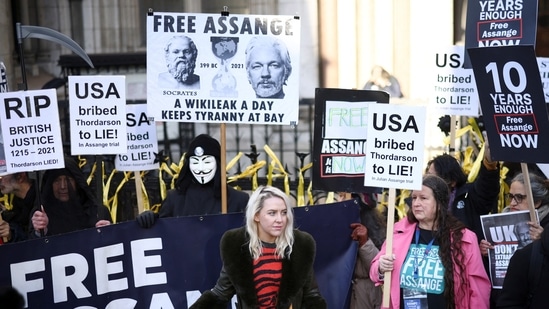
x: 529, y: 197
x: 4, y: 239
x: 389, y: 245
x: 452, y: 145
x: 222, y: 168
x: 139, y: 192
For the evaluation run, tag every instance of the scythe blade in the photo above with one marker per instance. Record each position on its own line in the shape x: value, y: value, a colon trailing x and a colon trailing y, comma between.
x: 37, y: 32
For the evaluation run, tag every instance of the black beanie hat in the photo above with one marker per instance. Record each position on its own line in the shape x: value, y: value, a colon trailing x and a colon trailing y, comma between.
x: 203, y: 145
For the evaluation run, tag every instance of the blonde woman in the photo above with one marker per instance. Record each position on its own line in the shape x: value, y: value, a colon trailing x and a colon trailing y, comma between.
x: 267, y: 263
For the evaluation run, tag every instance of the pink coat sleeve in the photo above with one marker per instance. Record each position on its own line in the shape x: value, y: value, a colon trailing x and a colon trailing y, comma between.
x: 478, y: 285
x: 402, y: 236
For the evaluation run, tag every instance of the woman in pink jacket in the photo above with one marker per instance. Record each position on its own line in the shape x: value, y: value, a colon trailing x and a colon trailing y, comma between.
x: 436, y: 261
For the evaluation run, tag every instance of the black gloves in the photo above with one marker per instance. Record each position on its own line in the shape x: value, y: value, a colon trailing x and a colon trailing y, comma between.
x: 146, y: 219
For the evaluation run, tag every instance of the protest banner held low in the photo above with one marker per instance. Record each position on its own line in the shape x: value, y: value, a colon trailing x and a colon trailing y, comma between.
x: 167, y: 266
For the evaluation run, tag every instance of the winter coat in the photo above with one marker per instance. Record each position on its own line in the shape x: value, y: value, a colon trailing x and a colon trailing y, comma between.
x: 518, y: 285
x: 477, y: 287
x: 81, y: 212
x: 201, y: 200
x: 19, y: 216
x: 297, y: 287
x: 365, y: 295
x: 477, y: 198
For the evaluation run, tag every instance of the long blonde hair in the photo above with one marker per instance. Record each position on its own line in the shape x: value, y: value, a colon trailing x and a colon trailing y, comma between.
x: 285, y: 241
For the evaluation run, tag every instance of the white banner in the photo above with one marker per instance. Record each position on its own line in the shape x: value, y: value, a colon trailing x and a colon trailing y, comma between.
x: 543, y: 64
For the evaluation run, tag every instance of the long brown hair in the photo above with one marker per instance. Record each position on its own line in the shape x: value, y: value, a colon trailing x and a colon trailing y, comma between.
x: 450, y: 247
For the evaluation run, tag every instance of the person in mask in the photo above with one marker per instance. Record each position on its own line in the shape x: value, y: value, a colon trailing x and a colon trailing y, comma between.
x: 198, y: 188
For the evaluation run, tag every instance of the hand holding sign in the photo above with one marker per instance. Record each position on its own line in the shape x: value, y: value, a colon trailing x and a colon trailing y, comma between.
x: 394, y: 159
x: 40, y: 220
x: 5, y: 231
x: 386, y: 263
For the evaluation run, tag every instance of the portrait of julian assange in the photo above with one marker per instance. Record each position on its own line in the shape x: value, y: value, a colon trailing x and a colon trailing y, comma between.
x: 180, y: 53
x: 268, y: 66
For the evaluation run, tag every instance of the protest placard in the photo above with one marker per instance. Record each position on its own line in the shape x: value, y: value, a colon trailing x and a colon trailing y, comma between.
x: 512, y: 102
x: 454, y: 91
x: 394, y: 152
x: 141, y: 139
x: 31, y: 131
x: 203, y: 68
x: 500, y: 23
x: 339, y: 153
x: 97, y: 114
x: 507, y: 232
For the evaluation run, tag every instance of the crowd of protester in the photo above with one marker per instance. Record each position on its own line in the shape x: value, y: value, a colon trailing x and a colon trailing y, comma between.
x: 442, y: 228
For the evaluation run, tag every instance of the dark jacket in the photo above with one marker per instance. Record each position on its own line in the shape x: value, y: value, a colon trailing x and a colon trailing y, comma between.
x: 477, y: 198
x: 201, y: 200
x: 297, y: 287
x: 81, y: 212
x: 517, y: 284
x: 19, y: 216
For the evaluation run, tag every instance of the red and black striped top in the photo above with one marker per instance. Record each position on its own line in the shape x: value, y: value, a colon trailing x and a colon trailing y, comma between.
x: 267, y: 275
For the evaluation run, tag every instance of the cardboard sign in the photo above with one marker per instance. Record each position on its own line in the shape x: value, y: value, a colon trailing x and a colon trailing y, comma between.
x: 543, y: 65
x: 507, y: 232
x: 141, y: 139
x: 454, y: 91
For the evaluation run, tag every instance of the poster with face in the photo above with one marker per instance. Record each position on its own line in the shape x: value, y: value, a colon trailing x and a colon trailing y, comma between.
x: 507, y: 232
x: 223, y: 69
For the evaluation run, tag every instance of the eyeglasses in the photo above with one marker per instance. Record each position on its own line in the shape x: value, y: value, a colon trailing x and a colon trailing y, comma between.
x: 518, y: 197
